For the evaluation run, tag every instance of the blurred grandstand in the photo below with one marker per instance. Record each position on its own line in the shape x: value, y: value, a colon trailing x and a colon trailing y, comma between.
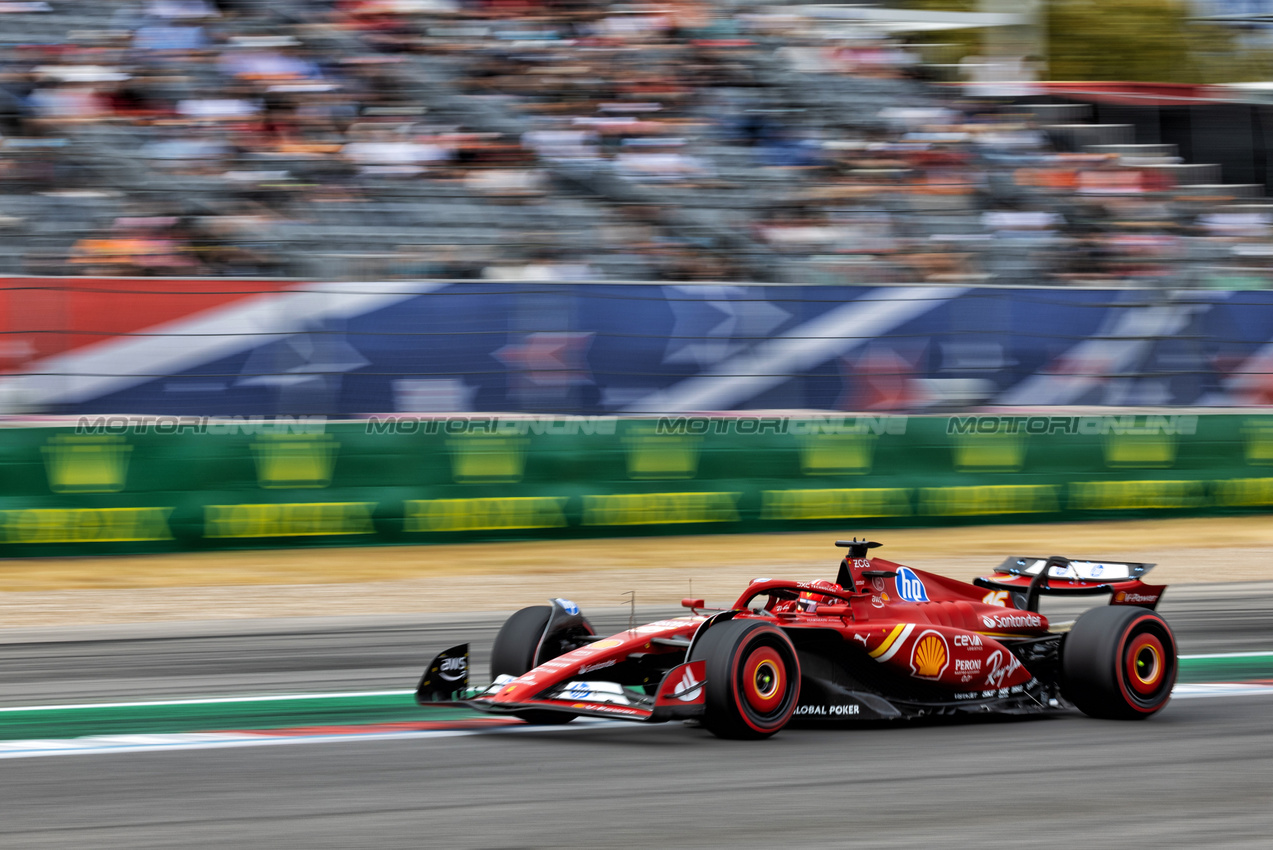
x: 378, y: 139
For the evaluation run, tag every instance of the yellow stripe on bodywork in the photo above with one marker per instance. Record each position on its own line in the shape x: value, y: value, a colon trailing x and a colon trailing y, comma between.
x: 888, y: 641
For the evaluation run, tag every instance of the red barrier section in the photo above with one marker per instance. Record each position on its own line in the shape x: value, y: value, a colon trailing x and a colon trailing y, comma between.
x: 42, y: 316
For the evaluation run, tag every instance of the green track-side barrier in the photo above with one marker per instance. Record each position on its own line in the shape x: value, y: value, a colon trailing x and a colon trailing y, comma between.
x: 108, y: 484
x: 217, y: 715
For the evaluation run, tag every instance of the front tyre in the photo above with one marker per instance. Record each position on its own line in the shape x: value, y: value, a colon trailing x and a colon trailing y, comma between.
x: 1119, y: 663
x: 513, y: 654
x: 753, y: 678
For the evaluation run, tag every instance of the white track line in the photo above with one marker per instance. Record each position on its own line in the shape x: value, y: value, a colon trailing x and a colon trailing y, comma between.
x: 109, y: 744
x: 210, y: 701
x: 101, y: 744
x: 1220, y: 689
x: 360, y: 694
x: 115, y: 744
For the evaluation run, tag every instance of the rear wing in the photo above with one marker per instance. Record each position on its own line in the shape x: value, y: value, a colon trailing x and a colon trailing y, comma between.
x: 1026, y: 578
x: 1074, y: 569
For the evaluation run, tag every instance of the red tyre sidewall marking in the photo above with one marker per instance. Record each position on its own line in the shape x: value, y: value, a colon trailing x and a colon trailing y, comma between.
x: 1120, y: 669
x: 761, y: 658
x: 739, y: 700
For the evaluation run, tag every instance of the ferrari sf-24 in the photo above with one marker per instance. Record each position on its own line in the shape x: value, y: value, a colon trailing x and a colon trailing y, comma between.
x: 883, y: 641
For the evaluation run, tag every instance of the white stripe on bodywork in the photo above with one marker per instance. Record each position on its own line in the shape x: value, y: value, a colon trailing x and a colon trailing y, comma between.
x: 897, y: 644
x: 118, y: 363
x: 832, y: 334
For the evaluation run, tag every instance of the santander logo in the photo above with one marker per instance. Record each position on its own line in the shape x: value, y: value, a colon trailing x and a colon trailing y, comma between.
x: 1024, y: 620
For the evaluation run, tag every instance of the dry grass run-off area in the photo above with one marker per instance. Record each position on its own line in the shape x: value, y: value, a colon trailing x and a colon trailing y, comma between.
x: 594, y: 573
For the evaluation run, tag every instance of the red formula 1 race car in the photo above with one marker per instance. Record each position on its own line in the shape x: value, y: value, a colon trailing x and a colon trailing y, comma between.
x: 883, y: 641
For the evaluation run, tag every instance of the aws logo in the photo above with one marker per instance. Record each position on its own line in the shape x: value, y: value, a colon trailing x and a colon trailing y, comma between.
x: 929, y: 656
x: 910, y: 586
x: 454, y: 669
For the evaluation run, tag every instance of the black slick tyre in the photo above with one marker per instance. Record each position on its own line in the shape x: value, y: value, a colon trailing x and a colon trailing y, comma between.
x: 1119, y: 663
x: 753, y: 678
x: 514, y: 654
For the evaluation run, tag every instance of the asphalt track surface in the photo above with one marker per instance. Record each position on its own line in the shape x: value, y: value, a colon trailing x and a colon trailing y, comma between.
x: 1198, y: 774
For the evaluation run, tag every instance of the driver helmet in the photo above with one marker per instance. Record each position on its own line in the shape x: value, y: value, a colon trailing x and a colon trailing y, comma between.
x: 810, y: 600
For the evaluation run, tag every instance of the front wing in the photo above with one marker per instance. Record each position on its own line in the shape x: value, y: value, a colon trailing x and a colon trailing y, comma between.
x: 680, y: 694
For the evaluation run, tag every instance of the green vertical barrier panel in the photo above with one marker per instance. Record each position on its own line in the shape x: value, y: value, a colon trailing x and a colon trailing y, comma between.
x: 106, y: 485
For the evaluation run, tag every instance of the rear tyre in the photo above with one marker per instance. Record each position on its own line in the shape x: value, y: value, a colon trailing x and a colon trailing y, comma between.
x: 514, y: 654
x: 1119, y: 663
x: 753, y: 678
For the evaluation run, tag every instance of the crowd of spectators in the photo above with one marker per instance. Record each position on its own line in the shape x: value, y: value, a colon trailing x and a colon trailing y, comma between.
x: 564, y: 140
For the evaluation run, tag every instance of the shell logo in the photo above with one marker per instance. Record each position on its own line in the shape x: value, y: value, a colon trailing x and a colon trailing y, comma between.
x: 930, y: 656
x: 608, y: 643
